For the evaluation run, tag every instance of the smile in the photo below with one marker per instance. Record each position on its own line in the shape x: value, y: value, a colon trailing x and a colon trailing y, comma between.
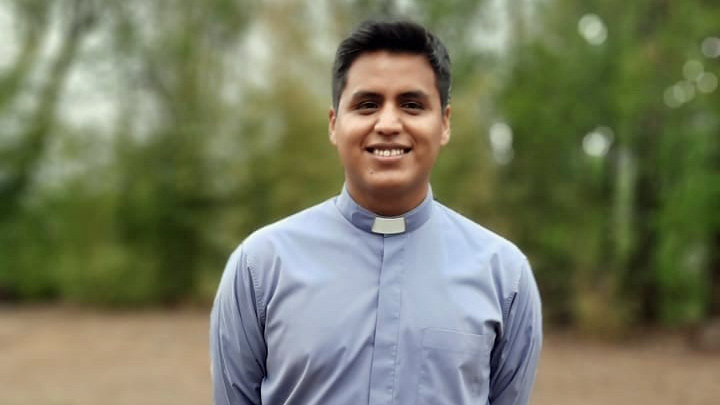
x: 387, y: 152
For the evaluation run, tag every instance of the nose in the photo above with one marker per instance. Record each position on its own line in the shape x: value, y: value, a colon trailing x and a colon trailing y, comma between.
x: 388, y: 121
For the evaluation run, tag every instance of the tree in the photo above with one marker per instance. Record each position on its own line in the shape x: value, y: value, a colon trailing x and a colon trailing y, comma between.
x: 19, y: 159
x: 632, y: 226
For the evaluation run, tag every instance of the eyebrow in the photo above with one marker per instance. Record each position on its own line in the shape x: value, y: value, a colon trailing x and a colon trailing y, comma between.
x: 416, y: 94
x: 365, y: 94
x: 413, y: 94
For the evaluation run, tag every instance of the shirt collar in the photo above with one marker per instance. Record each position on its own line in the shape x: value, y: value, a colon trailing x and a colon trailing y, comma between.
x: 367, y: 220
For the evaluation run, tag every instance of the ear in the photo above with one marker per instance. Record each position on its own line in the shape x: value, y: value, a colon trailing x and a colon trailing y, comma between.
x: 445, y: 136
x: 332, y: 115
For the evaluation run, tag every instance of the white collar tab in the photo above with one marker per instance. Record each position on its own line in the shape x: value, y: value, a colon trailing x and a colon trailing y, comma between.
x: 388, y: 226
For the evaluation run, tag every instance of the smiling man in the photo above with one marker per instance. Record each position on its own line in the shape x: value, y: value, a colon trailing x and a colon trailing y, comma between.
x: 380, y: 295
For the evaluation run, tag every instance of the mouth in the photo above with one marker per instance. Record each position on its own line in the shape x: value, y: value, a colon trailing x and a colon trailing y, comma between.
x: 388, y: 151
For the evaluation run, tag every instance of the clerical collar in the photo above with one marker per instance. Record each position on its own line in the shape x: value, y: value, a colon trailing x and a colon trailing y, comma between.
x: 371, y: 222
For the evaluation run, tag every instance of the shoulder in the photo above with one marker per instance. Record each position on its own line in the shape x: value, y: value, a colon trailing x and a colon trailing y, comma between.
x: 503, y: 258
x: 252, y: 261
x: 262, y: 244
x: 509, y: 268
x: 474, y: 236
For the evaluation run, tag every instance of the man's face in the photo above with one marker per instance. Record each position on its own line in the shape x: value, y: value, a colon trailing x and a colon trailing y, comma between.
x: 388, y: 129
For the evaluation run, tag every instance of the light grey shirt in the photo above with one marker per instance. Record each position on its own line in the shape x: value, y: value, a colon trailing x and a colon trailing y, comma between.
x: 317, y: 309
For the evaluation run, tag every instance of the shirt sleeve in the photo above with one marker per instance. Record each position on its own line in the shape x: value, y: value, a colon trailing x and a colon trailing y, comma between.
x: 515, y: 357
x: 237, y: 346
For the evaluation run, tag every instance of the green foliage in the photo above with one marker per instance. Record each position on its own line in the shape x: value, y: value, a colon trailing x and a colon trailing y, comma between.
x: 631, y: 230
x: 218, y: 126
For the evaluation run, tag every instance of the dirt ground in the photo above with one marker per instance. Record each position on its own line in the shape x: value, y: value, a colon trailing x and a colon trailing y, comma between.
x: 54, y: 356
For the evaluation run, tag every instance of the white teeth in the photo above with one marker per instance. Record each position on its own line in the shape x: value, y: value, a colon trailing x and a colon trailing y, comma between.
x: 388, y: 152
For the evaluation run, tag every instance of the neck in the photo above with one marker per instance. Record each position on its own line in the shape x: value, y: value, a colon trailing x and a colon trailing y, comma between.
x: 388, y: 204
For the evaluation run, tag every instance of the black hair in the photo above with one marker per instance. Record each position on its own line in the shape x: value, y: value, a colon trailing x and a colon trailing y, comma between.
x: 400, y: 36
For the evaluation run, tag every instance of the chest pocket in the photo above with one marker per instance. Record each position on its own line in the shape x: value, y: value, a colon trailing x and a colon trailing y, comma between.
x: 455, y: 367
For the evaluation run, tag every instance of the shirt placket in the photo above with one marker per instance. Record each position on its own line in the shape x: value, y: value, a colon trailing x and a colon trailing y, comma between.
x: 387, y: 326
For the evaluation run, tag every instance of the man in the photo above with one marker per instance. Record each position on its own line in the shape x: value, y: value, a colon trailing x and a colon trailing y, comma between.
x: 380, y: 295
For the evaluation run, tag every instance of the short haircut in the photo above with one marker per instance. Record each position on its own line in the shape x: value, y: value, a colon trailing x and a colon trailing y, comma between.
x: 400, y: 36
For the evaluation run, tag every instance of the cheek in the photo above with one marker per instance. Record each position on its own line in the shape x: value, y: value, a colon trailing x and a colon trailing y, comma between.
x: 351, y: 142
x: 357, y: 127
x: 348, y: 151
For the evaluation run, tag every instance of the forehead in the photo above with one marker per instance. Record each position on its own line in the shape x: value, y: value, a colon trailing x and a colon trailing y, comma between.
x: 387, y: 72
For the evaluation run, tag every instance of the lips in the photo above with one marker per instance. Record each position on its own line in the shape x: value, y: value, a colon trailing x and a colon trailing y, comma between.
x: 388, y: 150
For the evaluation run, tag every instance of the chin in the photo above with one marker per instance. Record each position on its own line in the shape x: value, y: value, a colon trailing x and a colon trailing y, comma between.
x: 392, y: 186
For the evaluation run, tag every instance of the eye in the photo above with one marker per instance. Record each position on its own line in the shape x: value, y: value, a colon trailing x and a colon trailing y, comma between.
x: 367, y: 106
x: 413, y: 105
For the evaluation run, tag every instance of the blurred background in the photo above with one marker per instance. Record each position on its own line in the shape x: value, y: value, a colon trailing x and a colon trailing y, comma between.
x: 141, y: 141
